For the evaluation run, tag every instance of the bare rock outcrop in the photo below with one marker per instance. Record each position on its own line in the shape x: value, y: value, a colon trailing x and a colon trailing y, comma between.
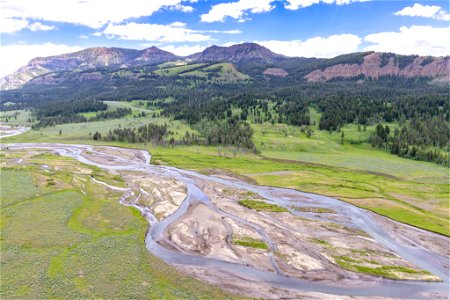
x: 372, y: 67
x: 278, y: 72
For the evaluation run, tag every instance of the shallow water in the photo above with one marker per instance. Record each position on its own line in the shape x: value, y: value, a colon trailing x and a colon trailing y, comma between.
x: 7, y: 131
x: 350, y: 216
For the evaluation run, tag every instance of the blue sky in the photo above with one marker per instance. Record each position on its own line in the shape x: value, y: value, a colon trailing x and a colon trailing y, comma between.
x: 320, y: 28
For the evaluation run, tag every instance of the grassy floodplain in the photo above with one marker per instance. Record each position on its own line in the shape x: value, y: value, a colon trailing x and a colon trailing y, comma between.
x: 78, y: 239
x: 412, y: 192
x: 404, y: 199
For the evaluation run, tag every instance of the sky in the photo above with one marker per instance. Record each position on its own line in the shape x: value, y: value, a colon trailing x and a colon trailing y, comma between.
x: 308, y: 28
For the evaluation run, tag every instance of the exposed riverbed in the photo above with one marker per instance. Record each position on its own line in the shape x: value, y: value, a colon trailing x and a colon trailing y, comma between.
x: 7, y: 131
x: 201, y: 216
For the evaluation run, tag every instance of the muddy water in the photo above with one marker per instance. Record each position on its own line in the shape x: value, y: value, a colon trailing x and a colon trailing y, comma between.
x: 349, y: 216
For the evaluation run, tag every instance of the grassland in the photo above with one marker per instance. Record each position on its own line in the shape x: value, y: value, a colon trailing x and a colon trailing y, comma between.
x: 82, y: 132
x: 281, y: 141
x: 172, y: 71
x: 373, y: 268
x: 223, y: 72
x: 262, y: 206
x: 72, y: 239
x: 226, y: 72
x: 172, y: 64
x: 247, y: 241
x: 16, y: 117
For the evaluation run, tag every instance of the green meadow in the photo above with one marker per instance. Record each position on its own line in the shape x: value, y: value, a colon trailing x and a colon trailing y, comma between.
x: 82, y: 132
x: 225, y: 72
x: 16, y: 117
x: 64, y: 236
x: 289, y: 143
x: 175, y: 70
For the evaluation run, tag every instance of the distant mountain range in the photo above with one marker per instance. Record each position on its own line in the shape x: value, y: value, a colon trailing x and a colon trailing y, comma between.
x: 250, y: 59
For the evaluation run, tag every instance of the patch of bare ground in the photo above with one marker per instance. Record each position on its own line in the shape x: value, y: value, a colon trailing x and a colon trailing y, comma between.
x: 128, y: 154
x: 46, y: 181
x: 416, y: 237
x: 275, y: 72
x: 112, y: 156
x: 222, y: 173
x: 309, y: 249
x: 162, y: 195
x: 256, y: 289
x: 204, y: 232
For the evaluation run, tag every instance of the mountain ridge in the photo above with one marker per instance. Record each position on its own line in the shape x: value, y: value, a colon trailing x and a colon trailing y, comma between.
x: 83, y: 60
x: 234, y: 53
x: 368, y: 64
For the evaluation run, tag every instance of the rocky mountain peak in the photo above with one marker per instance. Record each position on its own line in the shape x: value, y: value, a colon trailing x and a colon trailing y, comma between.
x: 235, y: 53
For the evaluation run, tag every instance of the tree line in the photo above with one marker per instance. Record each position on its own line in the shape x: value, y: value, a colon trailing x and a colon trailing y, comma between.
x: 426, y: 140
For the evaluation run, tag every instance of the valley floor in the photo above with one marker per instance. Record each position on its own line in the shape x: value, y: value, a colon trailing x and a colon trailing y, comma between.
x: 68, y: 220
x: 408, y: 191
x: 56, y: 220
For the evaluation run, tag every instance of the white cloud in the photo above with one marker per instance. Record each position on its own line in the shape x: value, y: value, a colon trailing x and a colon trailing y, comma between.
x: 175, y: 32
x: 183, y: 8
x: 330, y: 46
x: 236, y: 10
x: 178, y: 24
x: 184, y: 50
x: 91, y: 13
x: 228, y: 44
x: 234, y: 31
x: 13, y: 57
x: 424, y: 11
x: 296, y: 4
x: 421, y: 40
x: 38, y: 26
x: 12, y: 25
